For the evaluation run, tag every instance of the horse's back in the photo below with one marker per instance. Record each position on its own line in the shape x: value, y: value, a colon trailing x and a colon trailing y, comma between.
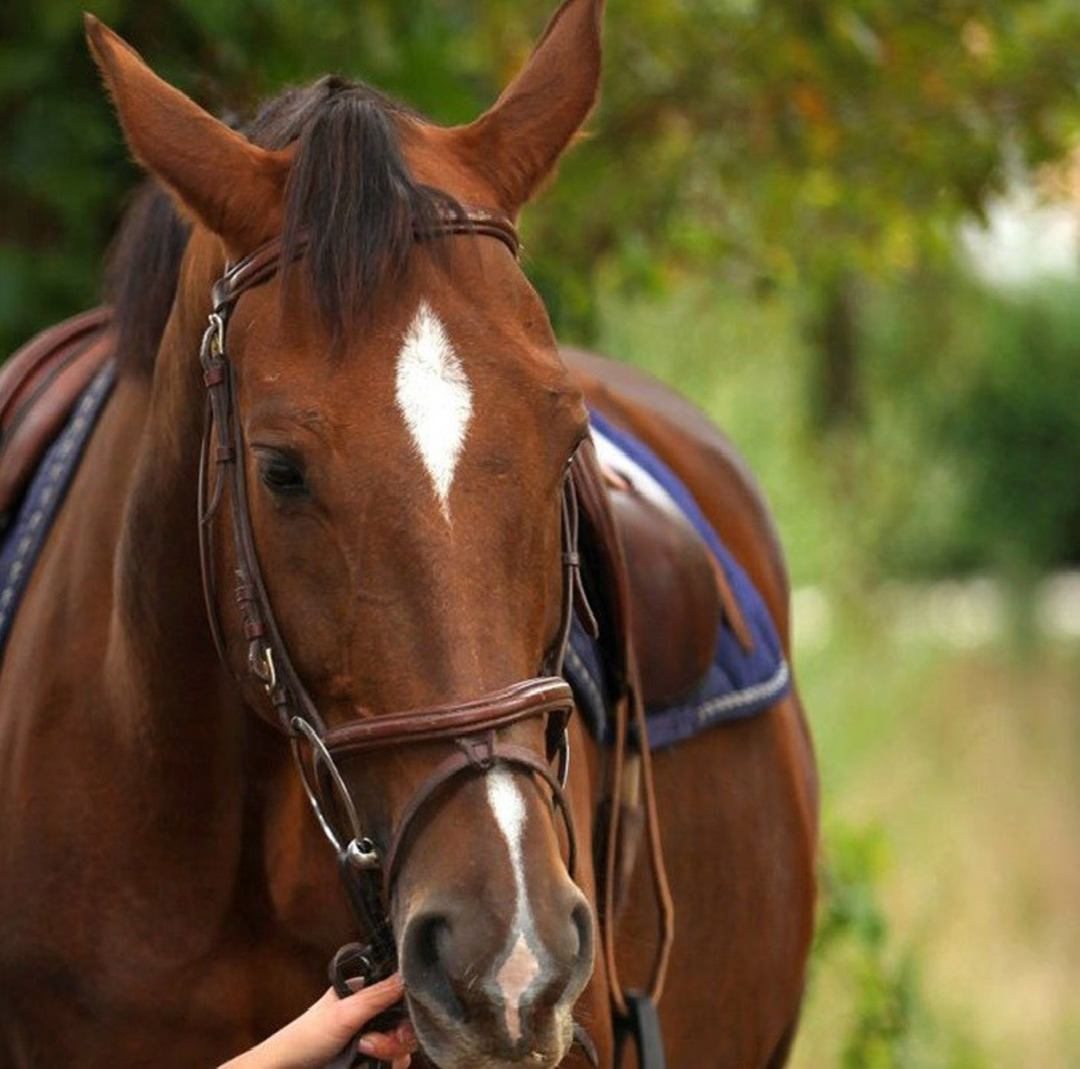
x: 738, y: 802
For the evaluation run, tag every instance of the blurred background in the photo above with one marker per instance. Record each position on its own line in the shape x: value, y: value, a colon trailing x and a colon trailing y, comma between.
x: 850, y: 230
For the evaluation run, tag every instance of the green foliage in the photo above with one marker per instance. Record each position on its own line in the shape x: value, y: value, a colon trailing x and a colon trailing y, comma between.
x: 794, y: 140
x: 983, y: 387
x: 853, y: 924
x: 780, y: 138
x: 947, y: 936
x: 886, y: 1022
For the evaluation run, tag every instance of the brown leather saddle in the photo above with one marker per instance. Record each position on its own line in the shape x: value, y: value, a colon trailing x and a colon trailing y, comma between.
x: 662, y: 594
x: 39, y: 386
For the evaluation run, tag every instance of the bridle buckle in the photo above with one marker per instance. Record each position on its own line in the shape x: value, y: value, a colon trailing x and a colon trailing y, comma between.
x: 261, y: 663
x: 213, y: 343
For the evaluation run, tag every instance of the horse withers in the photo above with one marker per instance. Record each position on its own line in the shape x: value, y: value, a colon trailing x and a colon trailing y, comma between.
x: 384, y: 523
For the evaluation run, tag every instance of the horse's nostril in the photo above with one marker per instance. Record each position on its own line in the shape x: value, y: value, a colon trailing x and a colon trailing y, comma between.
x: 464, y: 966
x: 581, y: 918
x: 431, y: 939
x: 424, y: 957
x: 568, y: 969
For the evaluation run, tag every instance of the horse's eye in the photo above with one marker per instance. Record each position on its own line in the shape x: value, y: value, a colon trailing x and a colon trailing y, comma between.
x: 282, y: 476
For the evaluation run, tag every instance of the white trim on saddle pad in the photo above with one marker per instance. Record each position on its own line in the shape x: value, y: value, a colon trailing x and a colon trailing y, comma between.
x: 612, y: 457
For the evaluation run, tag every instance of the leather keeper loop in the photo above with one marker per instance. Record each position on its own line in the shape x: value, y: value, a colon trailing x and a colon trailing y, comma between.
x: 480, y: 752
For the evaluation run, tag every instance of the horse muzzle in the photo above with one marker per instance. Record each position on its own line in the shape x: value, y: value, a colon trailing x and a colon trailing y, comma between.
x: 484, y: 995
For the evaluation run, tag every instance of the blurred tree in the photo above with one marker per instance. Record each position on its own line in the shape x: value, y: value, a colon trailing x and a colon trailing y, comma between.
x: 771, y: 141
x: 818, y: 142
x: 978, y: 452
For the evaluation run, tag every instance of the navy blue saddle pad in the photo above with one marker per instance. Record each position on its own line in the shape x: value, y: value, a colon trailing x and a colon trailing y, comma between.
x: 22, y: 539
x: 738, y: 683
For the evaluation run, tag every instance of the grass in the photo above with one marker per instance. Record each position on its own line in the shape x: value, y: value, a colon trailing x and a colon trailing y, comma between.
x: 949, y: 932
x: 957, y: 776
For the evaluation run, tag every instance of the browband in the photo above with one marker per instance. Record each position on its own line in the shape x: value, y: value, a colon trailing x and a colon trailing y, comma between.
x: 262, y: 264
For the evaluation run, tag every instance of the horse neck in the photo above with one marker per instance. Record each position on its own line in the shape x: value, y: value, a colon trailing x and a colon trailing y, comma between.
x: 200, y: 759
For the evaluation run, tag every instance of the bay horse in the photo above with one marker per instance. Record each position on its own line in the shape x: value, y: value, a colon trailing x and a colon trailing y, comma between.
x: 401, y: 424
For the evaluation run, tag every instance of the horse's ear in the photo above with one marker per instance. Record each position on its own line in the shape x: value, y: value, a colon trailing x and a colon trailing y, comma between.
x: 518, y: 142
x: 228, y: 184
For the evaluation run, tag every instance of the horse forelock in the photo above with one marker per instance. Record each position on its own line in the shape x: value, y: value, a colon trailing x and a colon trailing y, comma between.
x: 350, y: 195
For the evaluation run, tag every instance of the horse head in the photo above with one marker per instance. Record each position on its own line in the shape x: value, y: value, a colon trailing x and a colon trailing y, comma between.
x: 402, y: 427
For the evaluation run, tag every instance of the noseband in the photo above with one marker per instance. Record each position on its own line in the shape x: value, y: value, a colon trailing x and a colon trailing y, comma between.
x: 273, y: 688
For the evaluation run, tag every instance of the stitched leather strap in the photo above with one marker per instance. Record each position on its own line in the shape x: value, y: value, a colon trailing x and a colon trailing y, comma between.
x: 262, y: 264
x: 532, y: 697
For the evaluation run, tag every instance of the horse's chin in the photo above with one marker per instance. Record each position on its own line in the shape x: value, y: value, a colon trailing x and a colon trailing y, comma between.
x: 459, y: 1047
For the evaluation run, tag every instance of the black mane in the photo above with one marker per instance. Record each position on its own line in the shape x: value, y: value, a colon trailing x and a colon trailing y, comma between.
x: 349, y: 191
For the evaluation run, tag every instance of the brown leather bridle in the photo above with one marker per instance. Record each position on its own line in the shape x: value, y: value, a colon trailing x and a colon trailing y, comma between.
x: 274, y: 689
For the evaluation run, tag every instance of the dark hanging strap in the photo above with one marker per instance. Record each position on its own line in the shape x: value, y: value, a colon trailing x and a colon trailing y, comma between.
x: 355, y: 962
x: 640, y: 1026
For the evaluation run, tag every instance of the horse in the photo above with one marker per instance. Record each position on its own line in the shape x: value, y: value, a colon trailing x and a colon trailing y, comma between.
x: 388, y: 447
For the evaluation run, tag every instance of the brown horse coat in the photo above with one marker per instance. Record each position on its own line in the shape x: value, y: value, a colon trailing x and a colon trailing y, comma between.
x: 167, y: 898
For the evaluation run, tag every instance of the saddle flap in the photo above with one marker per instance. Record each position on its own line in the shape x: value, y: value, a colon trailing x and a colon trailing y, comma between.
x: 39, y: 385
x: 604, y: 571
x: 671, y: 578
x: 644, y: 564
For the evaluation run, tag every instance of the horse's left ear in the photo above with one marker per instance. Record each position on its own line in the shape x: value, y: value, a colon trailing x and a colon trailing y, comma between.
x: 517, y: 143
x: 230, y: 185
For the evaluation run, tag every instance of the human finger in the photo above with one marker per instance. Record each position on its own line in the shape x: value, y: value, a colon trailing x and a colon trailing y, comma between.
x: 320, y: 1033
x: 352, y: 1013
x: 389, y: 1046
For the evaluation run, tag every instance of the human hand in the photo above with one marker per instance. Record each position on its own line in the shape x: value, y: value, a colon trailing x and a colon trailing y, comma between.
x: 320, y: 1033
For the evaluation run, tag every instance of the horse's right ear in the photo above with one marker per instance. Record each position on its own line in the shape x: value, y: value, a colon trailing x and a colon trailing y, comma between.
x: 517, y: 143
x: 228, y: 184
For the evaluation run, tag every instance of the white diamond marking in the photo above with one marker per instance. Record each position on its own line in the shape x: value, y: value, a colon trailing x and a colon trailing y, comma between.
x: 434, y: 396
